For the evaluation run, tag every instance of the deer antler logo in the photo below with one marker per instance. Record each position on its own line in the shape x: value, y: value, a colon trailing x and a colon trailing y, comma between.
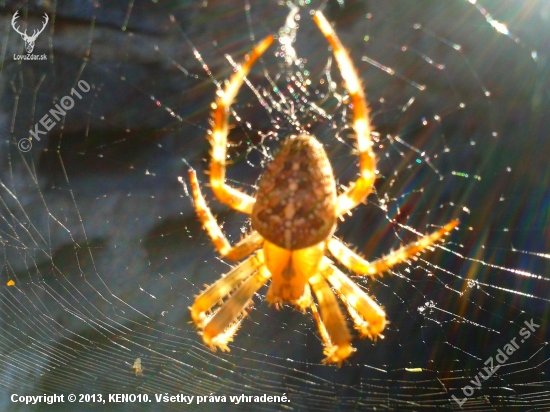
x: 29, y: 40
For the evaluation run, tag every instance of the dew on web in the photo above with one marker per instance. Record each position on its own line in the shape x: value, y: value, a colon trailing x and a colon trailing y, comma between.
x: 101, y: 252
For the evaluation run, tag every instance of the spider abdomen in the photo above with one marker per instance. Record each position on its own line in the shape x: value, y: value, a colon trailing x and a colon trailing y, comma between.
x: 296, y: 201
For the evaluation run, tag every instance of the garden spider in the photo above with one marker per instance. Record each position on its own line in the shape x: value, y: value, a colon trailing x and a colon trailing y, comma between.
x: 294, y: 216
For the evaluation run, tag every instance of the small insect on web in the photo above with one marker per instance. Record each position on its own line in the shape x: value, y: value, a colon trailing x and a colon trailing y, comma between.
x: 137, y: 368
x: 294, y: 216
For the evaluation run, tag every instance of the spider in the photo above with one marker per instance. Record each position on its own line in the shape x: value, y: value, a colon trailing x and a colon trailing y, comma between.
x: 293, y: 217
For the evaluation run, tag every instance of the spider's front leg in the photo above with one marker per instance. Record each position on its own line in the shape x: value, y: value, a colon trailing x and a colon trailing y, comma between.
x: 332, y: 326
x: 222, y: 288
x: 368, y: 317
x: 361, y: 123
x: 219, y: 331
x: 219, y: 328
x: 244, y: 248
x: 225, y: 193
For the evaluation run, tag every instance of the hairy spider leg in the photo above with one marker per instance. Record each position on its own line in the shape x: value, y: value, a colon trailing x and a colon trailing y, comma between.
x: 356, y: 263
x: 368, y: 317
x: 226, y: 194
x: 242, y: 249
x: 214, y: 293
x: 331, y: 323
x: 219, y: 331
x: 358, y: 191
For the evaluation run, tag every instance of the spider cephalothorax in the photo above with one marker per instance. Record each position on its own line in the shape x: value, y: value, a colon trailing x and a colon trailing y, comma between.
x: 294, y: 214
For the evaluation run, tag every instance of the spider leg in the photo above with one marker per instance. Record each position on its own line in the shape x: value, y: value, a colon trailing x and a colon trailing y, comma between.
x: 367, y: 315
x: 356, y: 263
x: 225, y: 193
x: 332, y: 326
x: 244, y: 248
x: 223, y: 287
x: 367, y: 162
x: 219, y: 331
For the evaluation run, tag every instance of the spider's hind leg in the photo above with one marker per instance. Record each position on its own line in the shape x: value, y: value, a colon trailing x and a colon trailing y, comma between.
x: 225, y: 193
x: 361, y: 123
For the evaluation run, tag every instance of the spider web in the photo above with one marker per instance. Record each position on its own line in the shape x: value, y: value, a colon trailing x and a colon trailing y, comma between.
x: 101, y: 253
